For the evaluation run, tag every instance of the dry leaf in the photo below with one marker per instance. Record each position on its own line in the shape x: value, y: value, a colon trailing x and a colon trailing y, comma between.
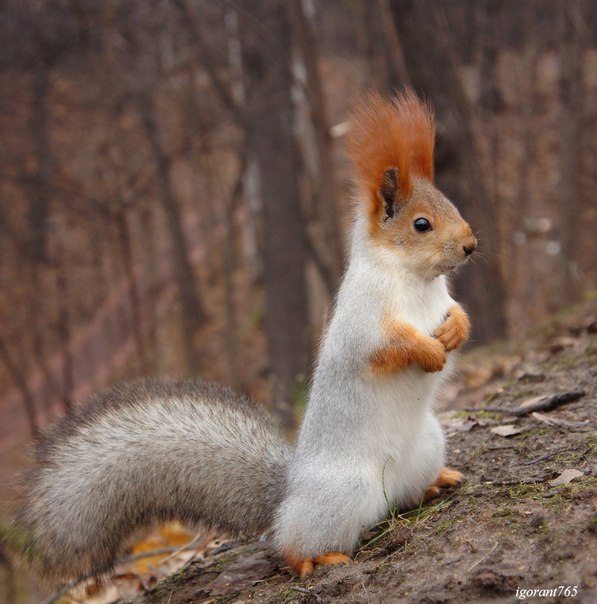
x: 172, y: 534
x: 507, y: 430
x: 565, y: 477
x: 459, y: 424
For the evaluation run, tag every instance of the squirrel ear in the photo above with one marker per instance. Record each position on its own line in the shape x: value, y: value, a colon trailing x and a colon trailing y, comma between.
x: 390, y: 193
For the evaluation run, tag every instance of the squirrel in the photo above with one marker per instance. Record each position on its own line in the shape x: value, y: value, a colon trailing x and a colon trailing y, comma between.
x: 154, y: 450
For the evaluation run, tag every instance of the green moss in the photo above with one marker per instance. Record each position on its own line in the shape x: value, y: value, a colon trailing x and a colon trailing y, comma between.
x: 491, y: 415
x: 525, y: 491
x: 536, y: 433
x: 446, y: 525
x: 571, y: 456
x: 461, y: 414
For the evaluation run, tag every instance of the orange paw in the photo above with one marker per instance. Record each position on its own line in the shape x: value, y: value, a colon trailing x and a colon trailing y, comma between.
x: 431, y: 355
x: 431, y: 493
x: 454, y: 331
x: 332, y: 558
x: 304, y: 566
x: 448, y: 477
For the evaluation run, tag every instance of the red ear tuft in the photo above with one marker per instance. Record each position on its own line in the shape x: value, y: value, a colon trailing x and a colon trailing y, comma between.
x: 396, y: 133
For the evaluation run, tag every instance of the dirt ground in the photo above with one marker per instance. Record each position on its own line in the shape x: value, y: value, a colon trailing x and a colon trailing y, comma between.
x: 508, y: 528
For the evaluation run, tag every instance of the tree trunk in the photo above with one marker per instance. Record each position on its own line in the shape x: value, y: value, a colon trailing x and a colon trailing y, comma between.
x: 38, y: 206
x: 266, y: 31
x: 64, y: 326
x: 429, y: 56
x: 326, y: 184
x: 126, y: 249
x: 20, y: 380
x: 193, y: 315
x: 571, y: 134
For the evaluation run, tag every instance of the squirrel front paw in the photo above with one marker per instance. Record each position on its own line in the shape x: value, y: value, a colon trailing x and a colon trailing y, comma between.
x: 454, y: 331
x: 431, y: 355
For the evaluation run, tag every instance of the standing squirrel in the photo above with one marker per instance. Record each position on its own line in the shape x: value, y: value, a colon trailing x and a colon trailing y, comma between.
x: 156, y: 450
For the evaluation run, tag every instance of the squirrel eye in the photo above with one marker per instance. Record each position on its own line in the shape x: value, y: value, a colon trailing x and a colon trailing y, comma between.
x: 422, y: 225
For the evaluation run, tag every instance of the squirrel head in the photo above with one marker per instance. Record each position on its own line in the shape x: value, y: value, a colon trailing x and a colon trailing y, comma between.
x: 391, y: 145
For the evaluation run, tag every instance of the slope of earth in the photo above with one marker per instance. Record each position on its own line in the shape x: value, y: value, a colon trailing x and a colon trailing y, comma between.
x: 524, y: 520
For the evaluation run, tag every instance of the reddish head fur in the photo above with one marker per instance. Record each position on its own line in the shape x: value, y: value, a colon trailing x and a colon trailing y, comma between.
x: 396, y: 133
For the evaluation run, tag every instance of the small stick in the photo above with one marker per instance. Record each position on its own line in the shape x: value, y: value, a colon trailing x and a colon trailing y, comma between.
x: 302, y: 590
x: 484, y: 557
x: 546, y: 456
x: 545, y: 403
x: 197, y: 542
x: 174, y: 550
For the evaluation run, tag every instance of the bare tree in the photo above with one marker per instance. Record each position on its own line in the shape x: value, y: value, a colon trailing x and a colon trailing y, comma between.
x: 20, y: 379
x: 38, y: 208
x: 192, y: 309
x: 267, y: 61
x: 327, y: 241
x: 571, y: 19
x: 64, y: 327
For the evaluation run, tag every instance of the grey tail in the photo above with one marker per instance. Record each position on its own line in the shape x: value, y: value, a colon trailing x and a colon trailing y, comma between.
x: 144, y: 452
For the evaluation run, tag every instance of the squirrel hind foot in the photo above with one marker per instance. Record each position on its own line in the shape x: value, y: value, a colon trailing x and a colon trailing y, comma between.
x: 304, y: 566
x: 448, y: 477
x: 332, y: 558
x: 431, y: 493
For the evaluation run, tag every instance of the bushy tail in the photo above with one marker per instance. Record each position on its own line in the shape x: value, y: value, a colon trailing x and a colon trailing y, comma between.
x: 147, y: 451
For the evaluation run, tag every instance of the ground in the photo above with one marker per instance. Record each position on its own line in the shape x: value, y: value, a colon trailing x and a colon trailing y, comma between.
x: 508, y: 528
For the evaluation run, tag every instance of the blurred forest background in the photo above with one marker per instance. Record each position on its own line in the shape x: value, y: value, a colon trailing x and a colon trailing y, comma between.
x: 175, y: 193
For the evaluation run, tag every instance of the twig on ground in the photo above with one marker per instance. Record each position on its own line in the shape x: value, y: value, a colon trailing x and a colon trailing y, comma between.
x: 544, y: 403
x: 302, y: 590
x: 484, y: 557
x: 197, y: 542
x: 174, y: 550
x: 546, y: 456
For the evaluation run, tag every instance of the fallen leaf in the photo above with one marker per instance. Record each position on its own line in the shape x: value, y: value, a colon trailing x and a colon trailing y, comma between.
x: 458, y: 424
x: 507, y: 430
x: 565, y: 477
x: 466, y: 425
